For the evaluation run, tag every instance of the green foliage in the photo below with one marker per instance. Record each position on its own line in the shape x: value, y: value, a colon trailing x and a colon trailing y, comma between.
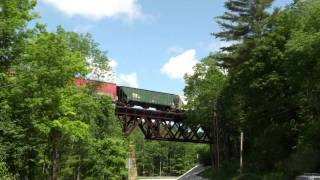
x: 228, y: 170
x: 279, y: 64
x: 175, y: 158
x: 243, y: 21
x: 107, y: 159
x: 271, y: 92
x: 14, y: 15
x: 50, y: 129
x: 203, y: 89
x: 4, y: 172
x: 204, y: 155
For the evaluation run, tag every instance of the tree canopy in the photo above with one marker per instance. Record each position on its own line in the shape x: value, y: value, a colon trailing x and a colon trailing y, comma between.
x: 270, y: 92
x: 51, y: 129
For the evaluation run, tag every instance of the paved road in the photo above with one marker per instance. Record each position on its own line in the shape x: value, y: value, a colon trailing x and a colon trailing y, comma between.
x: 190, y: 175
x: 158, y: 178
x: 193, y: 173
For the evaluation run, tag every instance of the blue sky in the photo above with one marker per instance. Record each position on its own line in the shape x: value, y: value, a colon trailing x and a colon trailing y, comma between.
x: 153, y: 42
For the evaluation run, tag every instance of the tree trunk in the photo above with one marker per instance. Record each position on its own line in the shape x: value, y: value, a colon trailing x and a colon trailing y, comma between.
x: 217, y: 145
x: 214, y: 148
x: 78, y: 171
x: 212, y: 155
x: 55, y: 156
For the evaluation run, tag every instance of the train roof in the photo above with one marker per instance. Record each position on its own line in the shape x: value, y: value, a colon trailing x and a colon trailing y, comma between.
x: 99, y: 81
x: 148, y: 90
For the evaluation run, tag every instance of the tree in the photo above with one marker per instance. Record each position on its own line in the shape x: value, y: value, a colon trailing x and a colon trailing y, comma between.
x: 202, y: 90
x: 271, y: 89
x: 173, y: 158
x: 243, y: 21
x: 266, y: 98
x: 49, y: 127
x: 14, y: 17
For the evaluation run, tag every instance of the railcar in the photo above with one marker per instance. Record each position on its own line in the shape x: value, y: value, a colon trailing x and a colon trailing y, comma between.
x: 148, y: 99
x: 104, y: 88
x: 128, y: 96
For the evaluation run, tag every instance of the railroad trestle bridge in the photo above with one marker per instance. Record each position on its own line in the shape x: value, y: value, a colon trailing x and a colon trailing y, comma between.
x: 167, y: 122
x: 161, y: 125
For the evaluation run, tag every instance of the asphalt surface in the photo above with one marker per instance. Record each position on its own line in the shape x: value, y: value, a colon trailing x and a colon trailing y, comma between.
x: 193, y: 174
x: 157, y: 178
x: 190, y: 175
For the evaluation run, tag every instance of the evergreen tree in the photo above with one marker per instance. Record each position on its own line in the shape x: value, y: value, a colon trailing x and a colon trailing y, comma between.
x: 243, y: 21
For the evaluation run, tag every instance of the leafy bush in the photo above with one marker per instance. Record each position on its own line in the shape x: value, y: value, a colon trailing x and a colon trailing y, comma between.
x: 204, y: 155
x: 228, y: 170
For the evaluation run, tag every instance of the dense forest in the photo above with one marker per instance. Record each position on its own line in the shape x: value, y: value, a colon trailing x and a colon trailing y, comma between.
x: 50, y: 129
x: 161, y: 158
x: 264, y: 84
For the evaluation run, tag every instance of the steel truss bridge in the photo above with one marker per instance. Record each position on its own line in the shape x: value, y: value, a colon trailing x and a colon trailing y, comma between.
x: 161, y: 125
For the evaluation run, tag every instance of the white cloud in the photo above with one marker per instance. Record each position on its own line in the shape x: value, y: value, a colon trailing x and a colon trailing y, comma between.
x: 179, y: 65
x: 97, y: 9
x: 128, y: 79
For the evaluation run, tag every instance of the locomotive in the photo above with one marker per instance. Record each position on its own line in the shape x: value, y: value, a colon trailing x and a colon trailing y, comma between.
x: 129, y: 96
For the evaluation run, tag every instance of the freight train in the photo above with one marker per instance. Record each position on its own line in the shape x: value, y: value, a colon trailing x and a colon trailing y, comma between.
x: 128, y: 96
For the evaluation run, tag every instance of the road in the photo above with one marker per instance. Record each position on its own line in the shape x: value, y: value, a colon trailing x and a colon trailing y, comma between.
x: 158, y: 178
x: 193, y: 173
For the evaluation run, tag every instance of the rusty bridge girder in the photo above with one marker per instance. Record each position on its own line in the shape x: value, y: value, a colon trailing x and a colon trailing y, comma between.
x: 161, y: 125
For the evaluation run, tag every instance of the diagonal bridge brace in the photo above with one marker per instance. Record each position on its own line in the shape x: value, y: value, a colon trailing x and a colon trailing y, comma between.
x: 161, y: 125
